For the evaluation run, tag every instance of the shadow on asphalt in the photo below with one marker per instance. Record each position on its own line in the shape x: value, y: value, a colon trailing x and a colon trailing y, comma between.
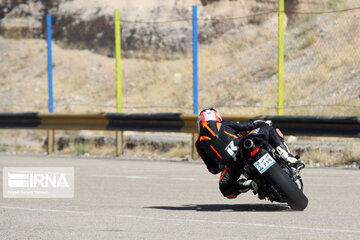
x: 227, y: 207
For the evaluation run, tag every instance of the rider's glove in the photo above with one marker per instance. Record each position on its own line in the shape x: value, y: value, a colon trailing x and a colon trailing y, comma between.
x: 262, y: 123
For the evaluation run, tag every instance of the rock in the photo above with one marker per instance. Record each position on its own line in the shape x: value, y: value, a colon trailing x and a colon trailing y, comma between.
x: 24, y: 20
x: 291, y: 139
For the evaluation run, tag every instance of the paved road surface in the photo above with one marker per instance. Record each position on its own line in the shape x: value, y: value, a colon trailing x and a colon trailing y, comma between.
x: 144, y: 199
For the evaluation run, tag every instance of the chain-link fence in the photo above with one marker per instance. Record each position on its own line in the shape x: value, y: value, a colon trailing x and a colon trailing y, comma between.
x: 238, y: 64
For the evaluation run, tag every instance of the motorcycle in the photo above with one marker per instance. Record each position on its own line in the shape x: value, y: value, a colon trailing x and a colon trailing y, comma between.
x: 276, y: 181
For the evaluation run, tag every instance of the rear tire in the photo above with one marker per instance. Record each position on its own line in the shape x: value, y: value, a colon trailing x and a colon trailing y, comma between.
x: 286, y: 188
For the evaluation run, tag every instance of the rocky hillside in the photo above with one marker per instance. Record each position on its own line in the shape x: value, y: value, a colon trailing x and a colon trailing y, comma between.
x: 146, y: 24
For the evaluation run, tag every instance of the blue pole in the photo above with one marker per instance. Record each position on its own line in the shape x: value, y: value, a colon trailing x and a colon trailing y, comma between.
x: 195, y: 60
x: 49, y: 51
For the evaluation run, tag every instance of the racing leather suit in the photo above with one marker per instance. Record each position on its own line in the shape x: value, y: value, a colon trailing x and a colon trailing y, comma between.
x: 218, y: 149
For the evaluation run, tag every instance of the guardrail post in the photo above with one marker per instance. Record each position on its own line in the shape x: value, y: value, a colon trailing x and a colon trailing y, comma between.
x: 194, y: 152
x: 119, y: 143
x: 51, y: 141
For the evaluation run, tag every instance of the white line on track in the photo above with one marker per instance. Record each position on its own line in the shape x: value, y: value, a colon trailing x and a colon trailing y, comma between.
x: 203, y: 180
x: 329, y: 230
x: 331, y: 185
x: 153, y: 177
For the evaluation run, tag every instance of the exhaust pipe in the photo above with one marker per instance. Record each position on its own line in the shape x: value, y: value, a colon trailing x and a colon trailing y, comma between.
x: 248, y: 144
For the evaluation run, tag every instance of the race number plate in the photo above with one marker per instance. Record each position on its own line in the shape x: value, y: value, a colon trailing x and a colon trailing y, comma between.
x: 264, y: 163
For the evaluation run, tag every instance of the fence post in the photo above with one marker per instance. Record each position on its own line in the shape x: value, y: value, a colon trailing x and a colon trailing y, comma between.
x: 195, y: 60
x: 49, y: 52
x: 119, y: 134
x: 195, y: 74
x: 281, y: 59
x: 50, y: 133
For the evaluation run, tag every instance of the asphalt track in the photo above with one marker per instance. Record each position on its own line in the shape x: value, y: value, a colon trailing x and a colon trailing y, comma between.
x: 147, y: 199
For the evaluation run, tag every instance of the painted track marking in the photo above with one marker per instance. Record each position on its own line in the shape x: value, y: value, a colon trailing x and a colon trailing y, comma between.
x: 329, y: 230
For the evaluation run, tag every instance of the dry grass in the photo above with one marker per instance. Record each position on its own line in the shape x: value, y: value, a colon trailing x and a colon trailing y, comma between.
x: 234, y: 71
x: 319, y: 157
x: 315, y: 152
x: 331, y: 77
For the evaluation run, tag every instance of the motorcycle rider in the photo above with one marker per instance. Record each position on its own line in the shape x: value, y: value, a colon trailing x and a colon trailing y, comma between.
x: 217, y: 146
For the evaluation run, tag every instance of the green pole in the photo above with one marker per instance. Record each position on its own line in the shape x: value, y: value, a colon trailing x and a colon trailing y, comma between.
x: 118, y: 61
x: 281, y: 58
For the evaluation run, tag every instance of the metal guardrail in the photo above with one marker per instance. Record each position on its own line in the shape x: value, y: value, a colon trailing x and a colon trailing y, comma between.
x: 175, y: 122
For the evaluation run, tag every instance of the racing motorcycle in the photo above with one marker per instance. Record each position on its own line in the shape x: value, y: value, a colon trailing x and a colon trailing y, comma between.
x: 276, y: 181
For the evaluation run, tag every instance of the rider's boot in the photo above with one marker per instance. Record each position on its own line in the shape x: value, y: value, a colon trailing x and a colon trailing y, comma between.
x: 289, y: 158
x: 245, y: 185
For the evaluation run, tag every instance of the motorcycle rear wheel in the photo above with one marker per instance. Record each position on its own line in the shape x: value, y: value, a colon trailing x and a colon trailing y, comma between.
x: 286, y: 188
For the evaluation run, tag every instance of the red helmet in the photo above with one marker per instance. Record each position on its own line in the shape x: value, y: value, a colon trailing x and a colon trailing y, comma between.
x: 208, y: 115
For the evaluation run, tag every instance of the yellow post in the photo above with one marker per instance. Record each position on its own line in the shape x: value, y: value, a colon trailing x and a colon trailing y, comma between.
x: 281, y: 58
x: 119, y: 134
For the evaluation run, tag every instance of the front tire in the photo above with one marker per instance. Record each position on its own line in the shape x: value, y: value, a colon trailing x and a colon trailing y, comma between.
x: 286, y: 188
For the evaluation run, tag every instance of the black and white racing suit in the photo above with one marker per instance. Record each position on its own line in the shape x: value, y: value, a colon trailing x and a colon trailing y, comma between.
x: 218, y: 149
